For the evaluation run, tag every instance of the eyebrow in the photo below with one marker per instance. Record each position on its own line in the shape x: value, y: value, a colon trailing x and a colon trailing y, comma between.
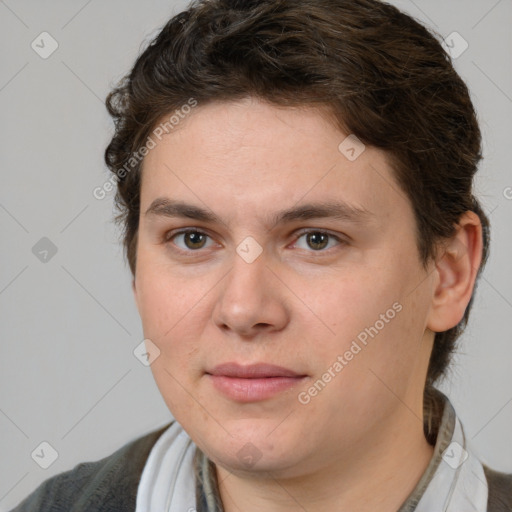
x: 163, y: 206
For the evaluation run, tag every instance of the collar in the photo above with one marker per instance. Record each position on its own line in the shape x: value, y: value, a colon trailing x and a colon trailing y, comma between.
x: 454, y: 479
x: 178, y: 476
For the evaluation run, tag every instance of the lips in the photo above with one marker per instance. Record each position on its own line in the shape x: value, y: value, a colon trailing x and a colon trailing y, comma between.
x: 252, y: 383
x: 252, y: 371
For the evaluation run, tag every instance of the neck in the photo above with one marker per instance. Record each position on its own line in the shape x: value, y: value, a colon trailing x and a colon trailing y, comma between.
x: 381, y: 475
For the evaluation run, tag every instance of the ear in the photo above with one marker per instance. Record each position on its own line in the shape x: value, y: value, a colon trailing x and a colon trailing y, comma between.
x: 456, y: 268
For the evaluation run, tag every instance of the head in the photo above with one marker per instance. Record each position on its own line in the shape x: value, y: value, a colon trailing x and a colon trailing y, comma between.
x: 243, y: 109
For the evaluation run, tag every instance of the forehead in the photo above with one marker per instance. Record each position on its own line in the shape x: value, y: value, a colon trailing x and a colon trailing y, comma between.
x: 249, y: 156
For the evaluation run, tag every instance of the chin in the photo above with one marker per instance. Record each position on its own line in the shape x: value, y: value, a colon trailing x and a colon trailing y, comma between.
x: 253, y: 451
x: 260, y: 463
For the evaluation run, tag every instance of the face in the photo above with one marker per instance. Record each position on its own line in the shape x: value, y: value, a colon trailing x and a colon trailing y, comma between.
x: 333, y: 291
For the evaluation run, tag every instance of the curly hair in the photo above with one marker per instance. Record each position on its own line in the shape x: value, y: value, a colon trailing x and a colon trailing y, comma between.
x: 380, y: 75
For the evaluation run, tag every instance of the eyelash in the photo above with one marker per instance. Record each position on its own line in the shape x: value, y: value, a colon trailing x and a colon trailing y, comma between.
x: 167, y: 239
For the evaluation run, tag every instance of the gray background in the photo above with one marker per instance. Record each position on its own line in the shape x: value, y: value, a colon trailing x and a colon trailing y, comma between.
x: 69, y: 325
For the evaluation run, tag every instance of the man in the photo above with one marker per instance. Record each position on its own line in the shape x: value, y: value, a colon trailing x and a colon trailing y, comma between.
x: 295, y: 188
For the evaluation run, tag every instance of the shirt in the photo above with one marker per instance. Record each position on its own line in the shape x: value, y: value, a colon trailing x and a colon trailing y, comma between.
x: 115, y: 483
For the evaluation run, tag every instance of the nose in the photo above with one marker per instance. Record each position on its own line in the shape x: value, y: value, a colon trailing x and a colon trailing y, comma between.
x: 251, y: 299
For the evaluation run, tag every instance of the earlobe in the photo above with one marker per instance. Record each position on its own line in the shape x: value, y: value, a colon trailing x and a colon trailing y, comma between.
x: 456, y: 268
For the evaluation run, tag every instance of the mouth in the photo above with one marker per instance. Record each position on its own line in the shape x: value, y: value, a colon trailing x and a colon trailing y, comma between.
x: 253, y: 382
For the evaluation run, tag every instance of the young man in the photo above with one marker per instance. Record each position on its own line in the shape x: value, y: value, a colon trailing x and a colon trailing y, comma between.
x: 295, y: 187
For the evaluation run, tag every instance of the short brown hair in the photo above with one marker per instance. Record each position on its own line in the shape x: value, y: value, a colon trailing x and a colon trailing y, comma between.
x: 382, y: 76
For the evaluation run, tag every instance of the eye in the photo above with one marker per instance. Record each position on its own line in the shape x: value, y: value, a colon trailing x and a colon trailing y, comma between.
x: 193, y: 239
x: 318, y: 240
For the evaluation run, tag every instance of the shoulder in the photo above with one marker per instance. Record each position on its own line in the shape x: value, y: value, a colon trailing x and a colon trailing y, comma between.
x: 108, y: 484
x: 500, y: 490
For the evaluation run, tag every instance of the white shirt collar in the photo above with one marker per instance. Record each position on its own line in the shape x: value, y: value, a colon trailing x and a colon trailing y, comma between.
x: 168, y: 480
x: 454, y: 480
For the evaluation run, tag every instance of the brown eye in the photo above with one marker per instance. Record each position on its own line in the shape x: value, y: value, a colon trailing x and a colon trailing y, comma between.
x: 317, y: 240
x: 194, y: 239
x: 187, y: 240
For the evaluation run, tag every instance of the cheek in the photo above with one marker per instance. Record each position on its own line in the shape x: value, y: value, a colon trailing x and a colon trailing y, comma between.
x: 165, y: 301
x: 350, y: 302
x: 382, y: 308
x: 174, y: 311
x: 170, y: 311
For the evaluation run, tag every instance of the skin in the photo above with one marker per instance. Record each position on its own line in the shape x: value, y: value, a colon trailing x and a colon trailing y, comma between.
x: 359, y: 443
